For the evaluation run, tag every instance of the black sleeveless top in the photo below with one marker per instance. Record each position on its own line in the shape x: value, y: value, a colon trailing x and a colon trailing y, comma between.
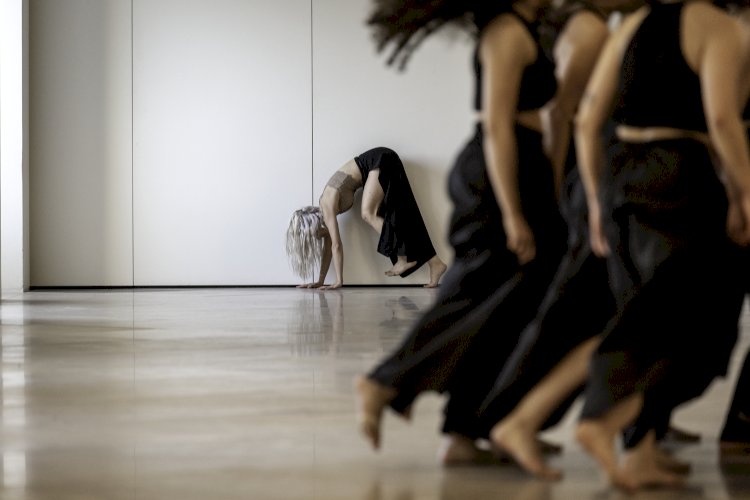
x: 538, y: 83
x: 657, y: 87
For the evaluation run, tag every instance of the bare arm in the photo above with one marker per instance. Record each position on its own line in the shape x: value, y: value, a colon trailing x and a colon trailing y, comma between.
x: 721, y: 84
x: 592, y: 115
x: 325, y: 259
x: 335, y: 247
x: 505, y: 50
x: 575, y: 52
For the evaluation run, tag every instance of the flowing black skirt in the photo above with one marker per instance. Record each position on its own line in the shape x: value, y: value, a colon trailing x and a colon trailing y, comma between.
x: 486, y: 297
x: 671, y: 262
x: 404, y: 232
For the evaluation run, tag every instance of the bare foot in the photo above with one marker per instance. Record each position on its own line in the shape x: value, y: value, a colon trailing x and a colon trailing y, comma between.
x: 640, y: 469
x: 458, y: 450
x: 399, y: 267
x: 437, y: 269
x: 600, y: 444
x: 373, y: 398
x: 521, y: 444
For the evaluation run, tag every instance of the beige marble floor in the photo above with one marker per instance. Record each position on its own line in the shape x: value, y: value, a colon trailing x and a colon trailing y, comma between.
x: 247, y: 394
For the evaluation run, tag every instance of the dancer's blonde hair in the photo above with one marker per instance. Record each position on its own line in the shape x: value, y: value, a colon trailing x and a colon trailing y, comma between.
x: 304, y: 241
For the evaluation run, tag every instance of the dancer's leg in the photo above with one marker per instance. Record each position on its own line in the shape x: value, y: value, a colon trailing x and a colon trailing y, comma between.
x: 516, y: 433
x: 598, y: 435
x: 437, y: 269
x: 643, y: 466
x: 372, y: 197
x: 373, y: 398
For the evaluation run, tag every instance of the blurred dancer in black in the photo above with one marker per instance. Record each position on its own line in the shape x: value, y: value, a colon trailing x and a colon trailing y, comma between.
x: 506, y: 228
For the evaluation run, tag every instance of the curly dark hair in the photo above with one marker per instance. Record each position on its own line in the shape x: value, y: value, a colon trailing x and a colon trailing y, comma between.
x: 405, y: 24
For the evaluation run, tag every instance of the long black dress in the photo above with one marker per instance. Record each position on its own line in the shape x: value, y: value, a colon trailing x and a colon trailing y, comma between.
x: 404, y: 232
x: 736, y: 426
x: 486, y: 297
x: 578, y: 303
x: 665, y: 221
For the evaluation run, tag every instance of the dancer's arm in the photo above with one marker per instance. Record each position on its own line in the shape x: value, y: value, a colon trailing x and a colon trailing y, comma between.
x: 333, y: 248
x: 505, y: 50
x: 575, y: 52
x: 720, y: 77
x: 594, y: 110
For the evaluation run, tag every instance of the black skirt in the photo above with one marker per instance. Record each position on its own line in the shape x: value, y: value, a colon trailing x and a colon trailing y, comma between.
x: 486, y: 297
x: 404, y: 232
x: 670, y: 265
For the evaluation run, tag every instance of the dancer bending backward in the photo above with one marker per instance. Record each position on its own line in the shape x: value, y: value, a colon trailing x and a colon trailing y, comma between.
x: 506, y: 228
x: 388, y: 205
x: 659, y: 214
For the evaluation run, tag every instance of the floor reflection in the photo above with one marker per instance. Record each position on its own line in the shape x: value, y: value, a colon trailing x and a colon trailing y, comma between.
x: 13, y: 382
x: 734, y: 469
x: 318, y: 324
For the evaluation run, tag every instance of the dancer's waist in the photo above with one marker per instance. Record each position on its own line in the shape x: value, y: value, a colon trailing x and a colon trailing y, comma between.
x: 627, y: 133
x: 526, y: 119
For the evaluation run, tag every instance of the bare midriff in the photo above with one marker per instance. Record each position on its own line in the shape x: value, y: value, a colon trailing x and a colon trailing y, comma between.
x: 627, y: 133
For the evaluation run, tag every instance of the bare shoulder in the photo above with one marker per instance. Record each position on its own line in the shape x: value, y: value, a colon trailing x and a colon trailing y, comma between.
x: 507, y: 37
x: 707, y: 31
x: 583, y: 32
x: 621, y: 36
x: 328, y: 201
x: 583, y: 24
x: 704, y: 17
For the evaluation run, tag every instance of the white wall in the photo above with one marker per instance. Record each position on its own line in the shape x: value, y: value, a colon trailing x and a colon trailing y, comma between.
x: 81, y: 143
x: 14, y: 160
x: 172, y: 139
x: 222, y: 135
x: 360, y: 103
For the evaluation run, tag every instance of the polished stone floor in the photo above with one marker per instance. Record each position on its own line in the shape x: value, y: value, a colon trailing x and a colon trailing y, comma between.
x: 247, y: 394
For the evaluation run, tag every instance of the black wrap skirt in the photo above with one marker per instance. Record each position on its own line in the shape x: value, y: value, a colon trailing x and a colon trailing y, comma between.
x: 671, y: 263
x: 404, y: 232
x: 486, y: 297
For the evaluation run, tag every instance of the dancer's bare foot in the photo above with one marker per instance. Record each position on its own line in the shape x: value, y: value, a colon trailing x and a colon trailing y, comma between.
x: 401, y: 266
x: 513, y: 438
x: 599, y: 442
x: 640, y: 469
x: 373, y: 398
x: 437, y: 269
x: 458, y: 450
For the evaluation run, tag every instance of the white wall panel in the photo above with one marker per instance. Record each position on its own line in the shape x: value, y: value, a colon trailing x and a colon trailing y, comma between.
x: 424, y: 114
x: 80, y: 119
x: 222, y: 138
x: 171, y: 143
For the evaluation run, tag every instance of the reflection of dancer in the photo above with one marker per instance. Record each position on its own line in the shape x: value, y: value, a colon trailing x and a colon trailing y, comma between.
x: 660, y: 217
x: 388, y: 205
x: 506, y: 229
